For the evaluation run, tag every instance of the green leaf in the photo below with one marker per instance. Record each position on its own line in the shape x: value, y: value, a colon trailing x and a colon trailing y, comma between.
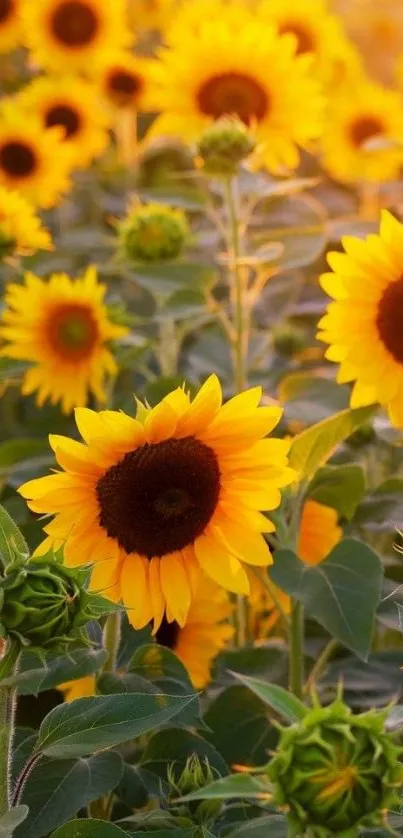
x: 184, y: 304
x: 15, y: 450
x: 238, y: 709
x: 341, y: 487
x: 88, y: 828
x: 175, y: 745
x: 297, y: 222
x: 167, y: 277
x: 235, y: 785
x: 77, y: 728
x: 281, y: 701
x: 271, y: 826
x: 382, y: 510
x: 52, y: 671
x: 313, y: 447
x: 13, y: 818
x: 311, y: 398
x: 164, y: 669
x: 57, y: 789
x: 342, y: 593
x: 11, y: 539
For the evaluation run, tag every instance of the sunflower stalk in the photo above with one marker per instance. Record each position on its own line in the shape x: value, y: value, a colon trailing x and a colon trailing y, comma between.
x: 8, y: 666
x: 296, y: 624
x: 111, y: 640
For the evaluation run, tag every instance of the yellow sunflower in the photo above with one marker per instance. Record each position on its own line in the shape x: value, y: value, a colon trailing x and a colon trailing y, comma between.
x: 364, y: 323
x: 180, y: 487
x: 236, y: 66
x: 205, y: 633
x: 81, y: 688
x: 363, y: 137
x: 151, y: 14
x: 71, y: 34
x: 21, y: 231
x: 32, y: 161
x: 319, y: 533
x: 124, y: 81
x: 73, y: 105
x: 10, y: 25
x: 62, y: 327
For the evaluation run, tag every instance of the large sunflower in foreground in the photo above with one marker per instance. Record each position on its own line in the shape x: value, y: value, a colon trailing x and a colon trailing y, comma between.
x: 235, y: 66
x: 124, y: 81
x: 73, y: 105
x: 363, y: 137
x: 150, y: 499
x: 62, y: 328
x: 10, y: 25
x: 21, y: 231
x: 364, y: 323
x: 32, y: 160
x: 319, y: 532
x: 70, y: 34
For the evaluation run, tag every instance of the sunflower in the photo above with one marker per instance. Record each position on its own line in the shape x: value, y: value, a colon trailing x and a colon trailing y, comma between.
x: 205, y: 633
x: 73, y: 105
x: 73, y: 33
x: 81, y: 688
x: 235, y: 66
x: 152, y: 15
x: 62, y: 327
x: 10, y: 25
x: 34, y: 162
x: 124, y: 81
x: 154, y: 498
x: 363, y: 138
x: 21, y: 231
x: 364, y: 323
x: 319, y: 532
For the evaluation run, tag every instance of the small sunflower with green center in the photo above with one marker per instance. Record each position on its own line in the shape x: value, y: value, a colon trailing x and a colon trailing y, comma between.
x: 152, y: 232
x: 34, y: 162
x: 21, y: 231
x: 363, y: 324
x: 71, y: 104
x: 74, y: 33
x: 149, y: 500
x: 62, y: 327
x: 237, y: 67
x: 363, y: 135
x: 10, y: 25
x: 335, y: 772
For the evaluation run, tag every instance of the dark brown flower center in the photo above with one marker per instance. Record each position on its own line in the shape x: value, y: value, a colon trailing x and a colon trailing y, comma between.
x: 390, y: 319
x: 233, y: 94
x: 168, y: 634
x: 74, y: 23
x: 123, y: 87
x: 17, y: 159
x: 72, y: 331
x: 65, y: 116
x: 6, y: 10
x: 364, y: 128
x: 160, y: 497
x: 305, y: 41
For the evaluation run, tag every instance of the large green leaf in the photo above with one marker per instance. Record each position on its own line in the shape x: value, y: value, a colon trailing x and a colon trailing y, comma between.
x: 313, y: 447
x: 238, y: 709
x: 281, y: 701
x: 11, y: 539
x: 79, y: 727
x: 57, y: 789
x: 89, y: 828
x: 175, y: 745
x: 12, y: 819
x: 341, y: 487
x: 342, y: 593
x: 235, y: 785
x: 52, y: 671
x: 310, y: 398
x: 269, y: 826
x: 164, y: 669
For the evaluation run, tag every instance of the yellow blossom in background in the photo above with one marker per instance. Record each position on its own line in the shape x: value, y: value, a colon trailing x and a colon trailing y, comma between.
x: 73, y: 105
x: 206, y: 631
x: 360, y: 114
x: 151, y: 499
x: 81, y: 688
x: 10, y: 25
x: 193, y: 16
x: 234, y: 66
x: 376, y: 26
x: 68, y: 35
x: 21, y: 231
x: 62, y: 327
x: 364, y: 323
x: 124, y: 81
x: 152, y: 15
x: 32, y: 161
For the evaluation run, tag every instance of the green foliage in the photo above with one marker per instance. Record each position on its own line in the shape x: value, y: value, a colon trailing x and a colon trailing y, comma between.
x: 282, y: 702
x: 89, y: 828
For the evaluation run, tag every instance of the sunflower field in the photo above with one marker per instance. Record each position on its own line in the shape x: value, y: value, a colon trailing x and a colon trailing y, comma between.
x: 201, y: 418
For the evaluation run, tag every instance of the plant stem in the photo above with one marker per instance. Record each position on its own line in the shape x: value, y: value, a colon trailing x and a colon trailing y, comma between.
x: 168, y: 351
x: 8, y: 666
x: 111, y: 640
x: 320, y: 664
x: 297, y: 649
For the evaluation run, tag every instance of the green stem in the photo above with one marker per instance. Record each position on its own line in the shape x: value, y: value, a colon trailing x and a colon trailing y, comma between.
x: 168, y: 348
x: 297, y: 649
x: 111, y: 641
x: 8, y: 666
x: 320, y: 664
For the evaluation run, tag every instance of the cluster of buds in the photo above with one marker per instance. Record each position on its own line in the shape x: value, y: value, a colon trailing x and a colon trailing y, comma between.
x: 194, y: 776
x: 335, y: 772
x: 152, y: 233
x: 223, y: 147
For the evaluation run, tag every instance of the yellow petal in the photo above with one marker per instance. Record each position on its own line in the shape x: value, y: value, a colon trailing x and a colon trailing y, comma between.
x: 250, y: 547
x: 175, y: 586
x: 135, y: 591
x: 220, y: 566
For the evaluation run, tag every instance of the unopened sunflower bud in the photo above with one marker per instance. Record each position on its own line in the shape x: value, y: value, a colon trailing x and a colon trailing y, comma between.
x: 152, y: 233
x: 44, y: 604
x: 289, y: 339
x: 195, y: 775
x: 336, y: 772
x: 223, y: 146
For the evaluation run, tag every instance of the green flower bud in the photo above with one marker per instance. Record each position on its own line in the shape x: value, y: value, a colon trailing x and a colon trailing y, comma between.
x: 289, y: 339
x: 163, y: 159
x: 223, y: 146
x: 195, y: 775
x: 152, y: 233
x: 44, y: 604
x: 335, y: 772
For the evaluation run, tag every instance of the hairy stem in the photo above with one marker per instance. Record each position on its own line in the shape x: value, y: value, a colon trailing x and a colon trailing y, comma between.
x: 111, y: 640
x: 297, y: 649
x: 8, y: 666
